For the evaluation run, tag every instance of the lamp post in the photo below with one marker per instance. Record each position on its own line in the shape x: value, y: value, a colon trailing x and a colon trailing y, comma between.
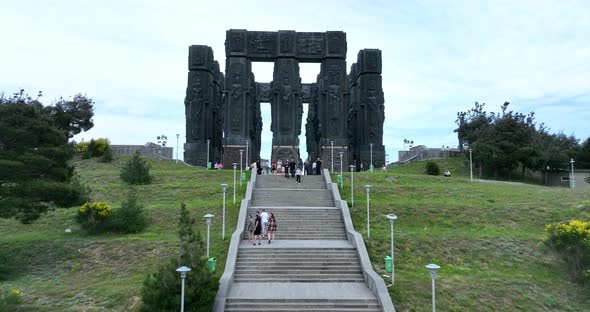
x: 341, y: 177
x: 207, y: 164
x: 241, y: 153
x: 433, y: 267
x: 177, y: 135
x: 247, y: 160
x: 223, y: 189
x: 352, y: 185
x: 470, y: 166
x: 208, y: 218
x: 182, y: 270
x: 371, y: 159
x: 573, y: 176
x: 332, y: 158
x: 392, y: 217
x: 235, y: 166
x: 368, y: 188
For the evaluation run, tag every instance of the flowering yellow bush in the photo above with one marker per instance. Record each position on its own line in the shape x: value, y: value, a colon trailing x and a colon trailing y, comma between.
x: 569, y: 235
x: 98, y: 210
x: 93, y: 216
x: 17, y: 295
x: 572, y: 240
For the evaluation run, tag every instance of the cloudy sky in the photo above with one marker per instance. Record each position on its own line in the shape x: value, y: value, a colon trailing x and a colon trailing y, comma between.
x: 439, y: 57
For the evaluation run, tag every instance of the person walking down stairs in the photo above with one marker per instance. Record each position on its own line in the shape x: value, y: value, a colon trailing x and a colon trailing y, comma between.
x: 298, y: 175
x: 272, y: 227
x: 250, y: 228
x: 257, y: 229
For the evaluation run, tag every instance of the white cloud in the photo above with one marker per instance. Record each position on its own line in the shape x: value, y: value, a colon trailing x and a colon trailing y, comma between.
x: 438, y: 58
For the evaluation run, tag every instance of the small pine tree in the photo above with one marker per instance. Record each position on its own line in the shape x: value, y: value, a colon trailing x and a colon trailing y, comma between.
x: 432, y: 168
x: 130, y: 218
x: 107, y: 156
x: 161, y: 290
x: 136, y: 171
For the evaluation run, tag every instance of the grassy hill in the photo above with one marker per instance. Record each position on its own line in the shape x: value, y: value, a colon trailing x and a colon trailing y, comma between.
x: 485, y: 236
x: 58, y: 271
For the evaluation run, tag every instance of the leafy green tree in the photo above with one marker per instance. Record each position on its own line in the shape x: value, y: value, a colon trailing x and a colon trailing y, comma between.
x: 136, y: 171
x: 161, y: 290
x: 35, y: 174
x: 583, y: 156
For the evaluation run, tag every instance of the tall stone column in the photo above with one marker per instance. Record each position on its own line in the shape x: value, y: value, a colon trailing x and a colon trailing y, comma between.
x: 203, y: 107
x: 239, y: 110
x: 312, y: 125
x: 367, y: 111
x: 334, y: 96
x: 286, y: 109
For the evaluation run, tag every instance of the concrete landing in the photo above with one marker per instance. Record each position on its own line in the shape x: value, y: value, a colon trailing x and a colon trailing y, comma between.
x: 299, y: 244
x: 328, y: 291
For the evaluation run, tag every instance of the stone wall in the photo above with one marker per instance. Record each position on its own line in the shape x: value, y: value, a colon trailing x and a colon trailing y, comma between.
x: 149, y: 150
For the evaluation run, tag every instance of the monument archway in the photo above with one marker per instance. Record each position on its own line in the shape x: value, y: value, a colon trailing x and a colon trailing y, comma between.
x: 346, y: 111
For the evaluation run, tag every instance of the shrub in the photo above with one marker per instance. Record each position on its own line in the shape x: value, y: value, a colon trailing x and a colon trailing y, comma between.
x: 130, y: 218
x: 94, y: 148
x: 9, y: 299
x: 93, y: 216
x: 432, y: 168
x: 82, y: 147
x: 107, y: 156
x: 160, y: 291
x: 136, y: 171
x: 572, y: 241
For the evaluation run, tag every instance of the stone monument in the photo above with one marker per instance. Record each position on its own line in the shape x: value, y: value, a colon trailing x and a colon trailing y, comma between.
x: 346, y: 112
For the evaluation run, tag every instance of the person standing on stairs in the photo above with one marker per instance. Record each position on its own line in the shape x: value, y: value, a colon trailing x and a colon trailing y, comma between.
x: 292, y: 166
x: 286, y: 167
x: 264, y: 217
x: 272, y: 227
x: 298, y: 175
x: 250, y: 228
x: 257, y: 229
x: 318, y: 166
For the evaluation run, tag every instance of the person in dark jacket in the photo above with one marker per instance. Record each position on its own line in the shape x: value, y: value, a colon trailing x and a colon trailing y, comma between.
x: 318, y: 166
x: 292, y: 167
x: 257, y: 229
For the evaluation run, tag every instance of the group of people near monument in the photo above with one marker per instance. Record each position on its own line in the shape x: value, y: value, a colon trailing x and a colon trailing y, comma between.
x: 263, y: 226
x: 290, y: 168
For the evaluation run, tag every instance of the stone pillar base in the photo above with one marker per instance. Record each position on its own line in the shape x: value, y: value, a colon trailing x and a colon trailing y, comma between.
x: 196, y: 154
x: 284, y: 153
x: 231, y: 154
x: 327, y: 158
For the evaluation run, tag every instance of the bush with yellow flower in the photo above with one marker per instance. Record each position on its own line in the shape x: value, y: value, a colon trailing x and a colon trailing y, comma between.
x: 93, y: 215
x: 572, y: 241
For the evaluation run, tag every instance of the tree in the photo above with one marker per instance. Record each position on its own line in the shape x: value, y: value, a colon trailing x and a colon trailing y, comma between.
x: 136, y: 171
x: 73, y: 116
x: 503, y: 142
x: 161, y: 290
x: 583, y: 156
x: 34, y: 153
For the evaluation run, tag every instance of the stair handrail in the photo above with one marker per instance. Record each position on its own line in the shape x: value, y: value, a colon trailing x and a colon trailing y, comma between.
x: 227, y: 279
x: 372, y: 279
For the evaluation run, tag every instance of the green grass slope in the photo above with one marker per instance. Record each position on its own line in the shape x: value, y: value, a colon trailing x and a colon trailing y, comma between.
x: 485, y: 236
x: 58, y: 271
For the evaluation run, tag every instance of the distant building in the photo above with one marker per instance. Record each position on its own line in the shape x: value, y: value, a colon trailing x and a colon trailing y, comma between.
x: 422, y: 152
x: 149, y: 150
x: 562, y: 177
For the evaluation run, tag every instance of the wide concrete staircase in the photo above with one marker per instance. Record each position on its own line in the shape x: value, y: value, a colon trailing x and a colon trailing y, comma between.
x: 310, y: 266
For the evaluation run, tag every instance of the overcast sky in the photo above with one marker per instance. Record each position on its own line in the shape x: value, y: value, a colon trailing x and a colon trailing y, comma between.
x: 439, y: 57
